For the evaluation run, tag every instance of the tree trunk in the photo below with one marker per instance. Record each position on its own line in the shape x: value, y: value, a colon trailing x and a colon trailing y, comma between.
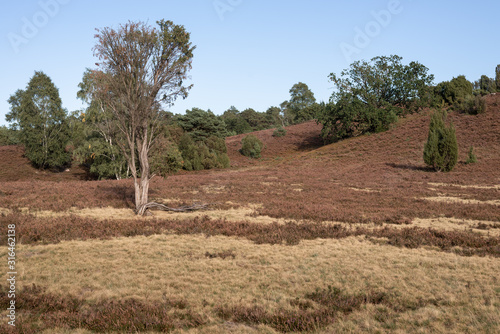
x: 142, y: 186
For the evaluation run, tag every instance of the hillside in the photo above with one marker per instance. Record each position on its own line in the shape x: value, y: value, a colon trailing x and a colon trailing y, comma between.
x: 400, y: 147
x: 299, y: 138
x: 15, y: 167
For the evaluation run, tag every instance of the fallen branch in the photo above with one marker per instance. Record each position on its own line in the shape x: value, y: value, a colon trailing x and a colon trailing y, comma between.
x: 186, y: 208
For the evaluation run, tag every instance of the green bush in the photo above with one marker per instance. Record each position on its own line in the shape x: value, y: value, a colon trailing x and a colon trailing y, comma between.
x: 351, y: 117
x: 471, y: 157
x: 279, y: 132
x: 455, y: 91
x: 251, y: 146
x: 441, y: 149
x: 473, y: 105
x: 204, y: 154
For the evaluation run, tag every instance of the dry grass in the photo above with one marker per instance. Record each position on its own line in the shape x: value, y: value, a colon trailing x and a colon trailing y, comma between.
x: 172, y: 267
x: 450, y: 199
x: 452, y: 224
x: 238, y: 214
x: 474, y: 186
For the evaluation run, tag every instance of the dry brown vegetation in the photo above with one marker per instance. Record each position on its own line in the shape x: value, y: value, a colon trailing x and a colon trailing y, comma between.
x: 357, y: 236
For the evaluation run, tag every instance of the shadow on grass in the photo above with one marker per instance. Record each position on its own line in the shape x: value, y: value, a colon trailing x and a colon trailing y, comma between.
x: 411, y: 167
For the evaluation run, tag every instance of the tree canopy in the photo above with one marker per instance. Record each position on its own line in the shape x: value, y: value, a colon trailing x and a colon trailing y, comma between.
x: 370, y: 96
x: 38, y: 115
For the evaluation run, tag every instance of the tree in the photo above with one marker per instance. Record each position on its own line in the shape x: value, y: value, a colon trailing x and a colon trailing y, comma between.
x: 202, y: 124
x: 38, y: 114
x: 140, y: 69
x: 487, y: 84
x: 370, y: 96
x: 441, y: 148
x: 256, y: 120
x: 454, y: 91
x: 385, y: 83
x: 275, y: 116
x: 301, y: 98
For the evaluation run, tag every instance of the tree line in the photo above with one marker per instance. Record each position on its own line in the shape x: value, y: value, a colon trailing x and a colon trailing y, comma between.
x: 190, y: 141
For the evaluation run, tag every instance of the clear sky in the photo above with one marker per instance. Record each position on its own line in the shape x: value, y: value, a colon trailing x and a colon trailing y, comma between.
x: 249, y: 53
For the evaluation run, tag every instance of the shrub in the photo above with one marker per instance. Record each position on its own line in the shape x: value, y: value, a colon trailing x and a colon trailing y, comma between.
x: 251, y: 146
x: 279, y: 132
x: 473, y: 105
x: 204, y: 154
x: 441, y: 149
x: 471, y: 157
x: 350, y: 117
x: 455, y: 91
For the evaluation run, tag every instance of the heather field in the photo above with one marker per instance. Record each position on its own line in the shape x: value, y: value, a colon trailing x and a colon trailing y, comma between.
x: 357, y: 236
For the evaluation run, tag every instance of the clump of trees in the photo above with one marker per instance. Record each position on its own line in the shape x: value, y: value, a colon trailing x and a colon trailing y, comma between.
x: 441, y: 148
x: 371, y: 95
x: 301, y: 107
x: 37, y: 113
x: 465, y: 96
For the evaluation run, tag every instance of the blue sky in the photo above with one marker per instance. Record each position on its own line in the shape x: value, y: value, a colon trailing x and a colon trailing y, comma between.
x: 250, y: 52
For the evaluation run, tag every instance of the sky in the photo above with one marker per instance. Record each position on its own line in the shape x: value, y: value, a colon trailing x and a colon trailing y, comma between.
x: 249, y: 53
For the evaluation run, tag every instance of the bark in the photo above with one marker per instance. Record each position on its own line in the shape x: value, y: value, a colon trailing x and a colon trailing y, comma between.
x: 142, y: 185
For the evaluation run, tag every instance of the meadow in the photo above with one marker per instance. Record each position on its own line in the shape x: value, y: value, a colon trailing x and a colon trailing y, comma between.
x: 357, y: 236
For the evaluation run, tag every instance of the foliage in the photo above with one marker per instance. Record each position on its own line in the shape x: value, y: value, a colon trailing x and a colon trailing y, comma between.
x: 441, y: 149
x: 256, y: 120
x: 140, y: 69
x: 471, y: 157
x: 485, y: 85
x: 43, y: 129
x: 8, y: 136
x: 279, y: 132
x: 474, y: 105
x: 165, y: 156
x: 455, y: 91
x: 248, y: 120
x: 301, y: 103
x: 251, y: 146
x: 385, y: 83
x: 275, y: 116
x: 204, y: 154
x: 370, y: 96
x: 235, y: 124
x: 351, y: 117
x: 202, y: 124
x: 98, y: 149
